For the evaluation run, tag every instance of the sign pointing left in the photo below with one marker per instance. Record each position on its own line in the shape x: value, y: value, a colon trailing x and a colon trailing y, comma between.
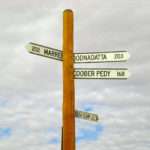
x: 44, y: 51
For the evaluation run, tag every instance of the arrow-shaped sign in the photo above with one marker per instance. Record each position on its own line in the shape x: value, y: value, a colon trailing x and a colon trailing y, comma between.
x: 92, y: 57
x: 101, y: 73
x: 44, y: 51
x: 86, y: 115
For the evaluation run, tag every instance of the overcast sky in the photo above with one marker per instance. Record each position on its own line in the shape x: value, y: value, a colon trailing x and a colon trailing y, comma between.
x: 31, y: 86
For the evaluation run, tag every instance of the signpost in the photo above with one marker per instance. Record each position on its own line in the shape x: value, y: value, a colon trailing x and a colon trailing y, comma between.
x: 68, y: 59
x: 86, y: 115
x: 91, y: 57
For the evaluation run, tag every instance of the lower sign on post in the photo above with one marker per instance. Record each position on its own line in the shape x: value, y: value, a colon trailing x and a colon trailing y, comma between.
x: 86, y: 115
x: 101, y: 73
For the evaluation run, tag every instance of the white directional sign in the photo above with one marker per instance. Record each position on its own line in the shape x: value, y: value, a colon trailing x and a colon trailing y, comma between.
x: 101, y: 73
x: 44, y: 51
x: 95, y: 57
x: 92, y: 57
x: 86, y: 115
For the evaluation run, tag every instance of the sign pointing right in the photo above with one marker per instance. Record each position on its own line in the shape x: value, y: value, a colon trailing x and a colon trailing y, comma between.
x: 86, y: 115
x: 101, y: 73
x: 97, y: 57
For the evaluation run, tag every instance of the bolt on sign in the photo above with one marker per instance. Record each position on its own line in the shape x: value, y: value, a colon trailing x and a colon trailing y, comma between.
x: 86, y: 115
x: 101, y: 73
x: 91, y: 57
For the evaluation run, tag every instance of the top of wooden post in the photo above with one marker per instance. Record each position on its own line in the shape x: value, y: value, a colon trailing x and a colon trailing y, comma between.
x: 68, y: 11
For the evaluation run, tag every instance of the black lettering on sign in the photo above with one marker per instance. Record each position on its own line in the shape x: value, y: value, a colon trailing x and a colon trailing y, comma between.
x: 87, y: 116
x: 89, y: 57
x: 93, y: 117
x: 78, y: 114
x: 118, y: 56
x: 121, y: 73
x: 46, y: 52
x: 52, y: 53
x: 102, y: 73
x: 104, y: 56
x: 35, y: 49
x: 83, y: 73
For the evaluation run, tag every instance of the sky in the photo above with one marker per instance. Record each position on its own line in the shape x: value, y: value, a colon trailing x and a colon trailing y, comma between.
x: 31, y: 86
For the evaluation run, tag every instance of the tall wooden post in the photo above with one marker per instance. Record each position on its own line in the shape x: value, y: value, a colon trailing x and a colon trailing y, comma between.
x: 68, y: 83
